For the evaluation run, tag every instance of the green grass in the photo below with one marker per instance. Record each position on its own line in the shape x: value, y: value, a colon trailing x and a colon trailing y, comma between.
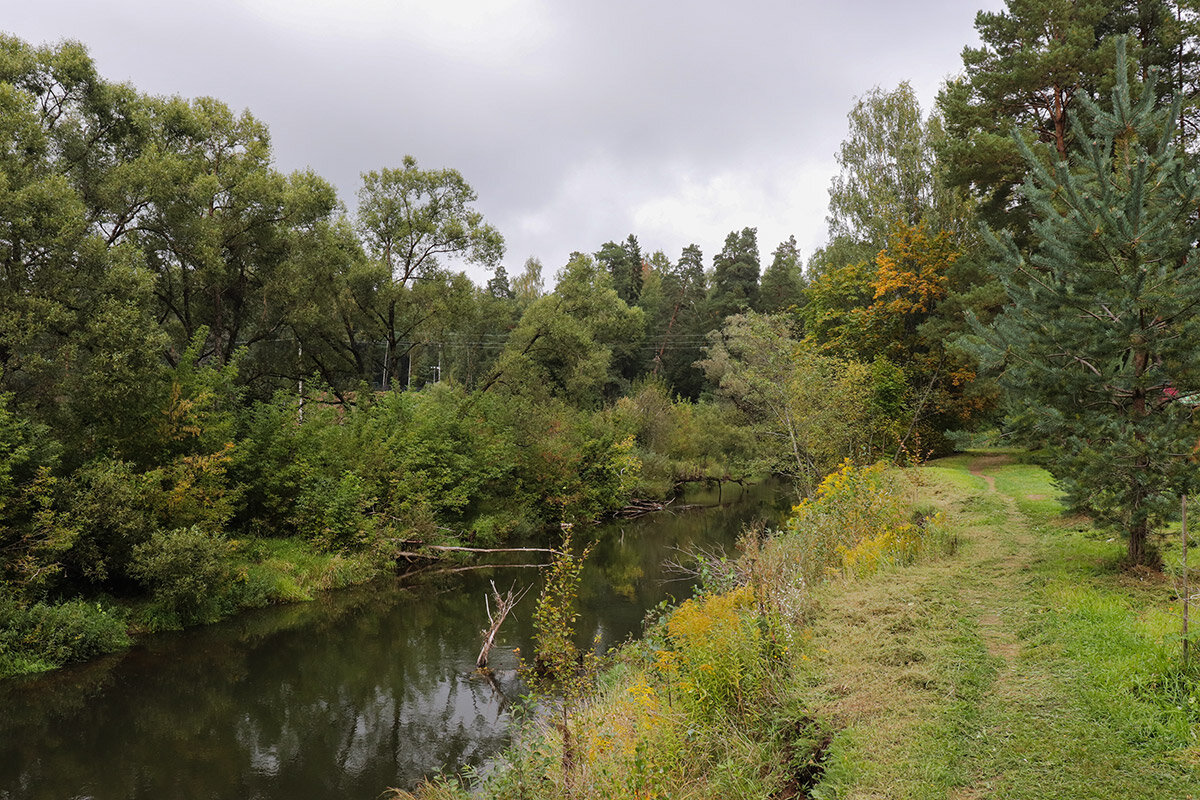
x: 1023, y: 664
x: 292, y: 570
x: 1065, y: 671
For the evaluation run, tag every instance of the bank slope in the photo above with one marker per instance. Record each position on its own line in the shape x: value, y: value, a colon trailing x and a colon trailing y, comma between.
x: 952, y: 635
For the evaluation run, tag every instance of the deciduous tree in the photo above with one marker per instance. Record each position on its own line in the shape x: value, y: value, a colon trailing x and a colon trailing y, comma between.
x: 410, y: 219
x: 812, y: 410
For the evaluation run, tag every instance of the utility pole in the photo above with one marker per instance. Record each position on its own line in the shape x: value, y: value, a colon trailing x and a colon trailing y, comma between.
x: 1187, y: 597
x: 387, y: 357
x: 300, y: 382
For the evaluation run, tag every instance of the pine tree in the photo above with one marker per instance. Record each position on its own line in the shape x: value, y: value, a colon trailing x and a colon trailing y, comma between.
x: 682, y: 345
x: 1099, y: 342
x: 783, y: 282
x: 1040, y: 60
x: 498, y: 285
x: 735, y: 275
x: 624, y: 263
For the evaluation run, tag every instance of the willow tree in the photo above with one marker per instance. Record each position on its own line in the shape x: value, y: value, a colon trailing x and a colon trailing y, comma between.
x: 1099, y: 342
x: 810, y: 410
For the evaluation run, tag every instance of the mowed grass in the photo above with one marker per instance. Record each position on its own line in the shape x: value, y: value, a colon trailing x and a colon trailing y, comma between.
x: 1026, y: 665
x: 1011, y: 658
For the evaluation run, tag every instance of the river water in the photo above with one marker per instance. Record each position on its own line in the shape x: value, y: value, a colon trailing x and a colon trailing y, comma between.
x: 342, y: 697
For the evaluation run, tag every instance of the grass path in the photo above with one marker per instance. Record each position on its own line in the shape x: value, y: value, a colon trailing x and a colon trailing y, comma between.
x: 1010, y: 669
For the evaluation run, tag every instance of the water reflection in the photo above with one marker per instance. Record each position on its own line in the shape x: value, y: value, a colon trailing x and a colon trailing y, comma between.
x: 339, y: 698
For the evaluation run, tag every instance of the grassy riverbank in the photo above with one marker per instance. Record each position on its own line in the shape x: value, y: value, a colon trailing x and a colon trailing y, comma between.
x: 1012, y: 658
x: 248, y: 573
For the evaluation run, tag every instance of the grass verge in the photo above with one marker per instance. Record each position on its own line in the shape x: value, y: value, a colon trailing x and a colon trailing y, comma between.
x: 1054, y: 673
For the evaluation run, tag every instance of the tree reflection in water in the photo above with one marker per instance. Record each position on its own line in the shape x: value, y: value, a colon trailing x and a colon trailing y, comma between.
x: 360, y: 690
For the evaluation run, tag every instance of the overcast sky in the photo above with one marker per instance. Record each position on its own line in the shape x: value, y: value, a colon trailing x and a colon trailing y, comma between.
x: 576, y: 122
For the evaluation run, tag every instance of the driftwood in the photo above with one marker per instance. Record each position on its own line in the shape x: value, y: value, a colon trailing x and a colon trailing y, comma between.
x: 490, y: 678
x: 470, y: 567
x: 492, y: 549
x: 504, y: 604
x: 709, y: 480
x: 416, y: 555
x: 415, y: 543
x: 640, y: 508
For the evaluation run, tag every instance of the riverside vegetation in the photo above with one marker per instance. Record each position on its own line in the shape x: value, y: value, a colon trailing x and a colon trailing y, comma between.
x: 220, y: 389
x: 944, y: 631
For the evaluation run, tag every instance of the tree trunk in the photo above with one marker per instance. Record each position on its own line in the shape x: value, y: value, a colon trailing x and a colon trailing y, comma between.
x: 1060, y: 123
x: 1140, y: 529
x: 1137, y: 543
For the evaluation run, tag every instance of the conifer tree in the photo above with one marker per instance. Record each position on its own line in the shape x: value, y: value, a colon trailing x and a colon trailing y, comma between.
x: 681, y: 345
x: 1099, y: 342
x: 624, y: 263
x: 735, y: 275
x: 498, y: 285
x: 782, y: 285
x: 1039, y: 61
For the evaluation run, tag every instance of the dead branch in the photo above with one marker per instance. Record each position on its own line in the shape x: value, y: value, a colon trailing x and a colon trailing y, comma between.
x: 431, y: 570
x: 504, y: 604
x: 441, y: 548
x: 492, y: 549
x: 640, y: 508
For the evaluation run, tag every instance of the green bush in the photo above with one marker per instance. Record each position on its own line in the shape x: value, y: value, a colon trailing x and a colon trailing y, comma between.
x: 497, y: 528
x: 188, y: 574
x: 109, y: 503
x: 335, y: 514
x: 43, y: 636
x: 715, y: 660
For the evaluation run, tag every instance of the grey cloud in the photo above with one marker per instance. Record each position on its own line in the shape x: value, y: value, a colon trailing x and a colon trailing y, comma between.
x: 634, y: 96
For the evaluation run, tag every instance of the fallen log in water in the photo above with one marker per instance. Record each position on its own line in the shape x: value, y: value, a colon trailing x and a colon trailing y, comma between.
x: 640, y: 508
x: 493, y: 549
x: 471, y: 567
x: 444, y: 548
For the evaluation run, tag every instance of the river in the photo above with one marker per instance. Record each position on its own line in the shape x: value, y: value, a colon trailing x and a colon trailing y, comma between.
x: 342, y: 697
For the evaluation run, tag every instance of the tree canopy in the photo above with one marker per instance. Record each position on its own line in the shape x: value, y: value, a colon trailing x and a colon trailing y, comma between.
x: 1097, y: 343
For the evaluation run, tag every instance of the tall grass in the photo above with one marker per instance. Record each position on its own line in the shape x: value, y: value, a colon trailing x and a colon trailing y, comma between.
x: 859, y: 521
x: 707, y: 705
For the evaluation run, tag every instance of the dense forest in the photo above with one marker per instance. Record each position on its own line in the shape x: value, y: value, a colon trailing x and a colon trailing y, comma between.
x: 220, y: 388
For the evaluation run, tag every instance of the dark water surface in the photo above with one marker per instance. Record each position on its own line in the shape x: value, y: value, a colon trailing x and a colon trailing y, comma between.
x: 341, y: 698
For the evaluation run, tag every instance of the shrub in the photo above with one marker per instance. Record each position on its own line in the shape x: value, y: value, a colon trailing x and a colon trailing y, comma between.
x: 715, y: 653
x: 187, y: 572
x: 858, y: 521
x: 109, y: 503
x: 335, y: 514
x: 43, y: 636
x: 851, y: 506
